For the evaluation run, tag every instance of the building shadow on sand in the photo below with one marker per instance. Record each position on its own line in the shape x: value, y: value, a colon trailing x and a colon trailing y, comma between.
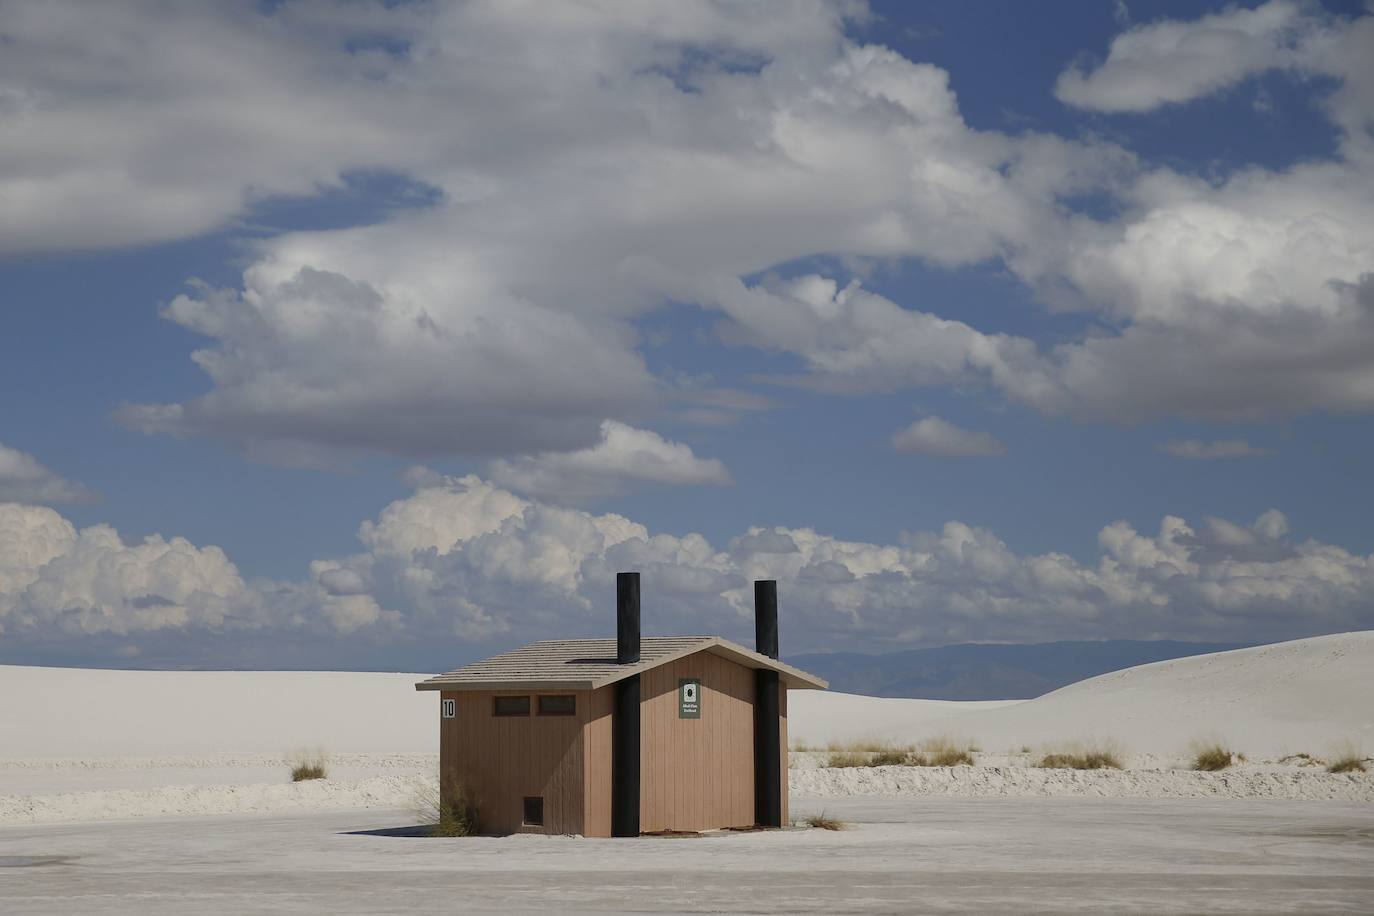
x: 419, y: 830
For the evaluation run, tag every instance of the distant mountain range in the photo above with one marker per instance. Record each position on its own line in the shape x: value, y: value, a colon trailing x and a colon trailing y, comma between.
x: 990, y: 672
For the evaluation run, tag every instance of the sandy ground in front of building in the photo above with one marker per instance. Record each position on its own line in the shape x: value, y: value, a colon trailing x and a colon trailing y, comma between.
x: 899, y: 856
x: 115, y: 788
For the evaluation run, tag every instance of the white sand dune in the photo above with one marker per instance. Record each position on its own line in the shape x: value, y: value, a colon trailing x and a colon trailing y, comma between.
x: 81, y: 712
x: 1305, y: 695
x: 79, y: 744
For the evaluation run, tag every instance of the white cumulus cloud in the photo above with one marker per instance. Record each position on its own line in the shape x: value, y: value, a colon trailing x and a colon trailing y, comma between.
x: 624, y: 457
x: 56, y: 579
x: 1173, y: 61
x: 23, y: 479
x: 586, y: 168
x: 934, y: 436
x: 464, y: 560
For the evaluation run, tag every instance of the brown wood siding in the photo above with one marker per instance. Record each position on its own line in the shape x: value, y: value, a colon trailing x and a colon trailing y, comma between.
x: 698, y: 774
x: 782, y: 747
x: 500, y: 760
x: 596, y: 743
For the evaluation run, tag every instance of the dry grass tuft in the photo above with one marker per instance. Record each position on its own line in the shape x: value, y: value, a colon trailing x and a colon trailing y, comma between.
x: 1100, y: 756
x: 889, y: 757
x: 824, y: 822
x: 1347, y: 765
x: 847, y: 759
x: 308, y: 765
x: 942, y: 752
x: 449, y: 810
x: 1347, y: 758
x: 934, y: 752
x: 1212, y: 757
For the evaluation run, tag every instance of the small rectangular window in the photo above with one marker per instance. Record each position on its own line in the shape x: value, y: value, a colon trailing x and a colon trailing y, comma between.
x: 534, y: 812
x: 558, y: 705
x: 511, y: 706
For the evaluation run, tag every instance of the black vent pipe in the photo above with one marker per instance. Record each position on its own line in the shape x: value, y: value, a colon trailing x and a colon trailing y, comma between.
x: 625, y: 758
x: 626, y: 618
x: 766, y: 617
x: 625, y: 752
x: 767, y: 714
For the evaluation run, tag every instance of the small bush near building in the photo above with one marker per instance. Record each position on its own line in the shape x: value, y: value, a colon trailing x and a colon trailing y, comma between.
x: 823, y: 822
x: 457, y: 813
x: 449, y: 812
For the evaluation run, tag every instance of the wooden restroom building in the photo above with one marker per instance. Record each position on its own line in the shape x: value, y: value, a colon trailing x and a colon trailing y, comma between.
x: 618, y: 737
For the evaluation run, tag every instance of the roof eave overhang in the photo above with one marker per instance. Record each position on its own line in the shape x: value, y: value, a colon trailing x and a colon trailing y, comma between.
x: 507, y: 685
x: 793, y: 678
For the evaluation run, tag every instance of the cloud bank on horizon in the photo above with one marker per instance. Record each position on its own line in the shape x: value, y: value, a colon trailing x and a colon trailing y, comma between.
x: 467, y: 561
x: 581, y: 166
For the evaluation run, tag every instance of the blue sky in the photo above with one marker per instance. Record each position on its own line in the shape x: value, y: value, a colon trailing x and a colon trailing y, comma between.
x: 382, y: 335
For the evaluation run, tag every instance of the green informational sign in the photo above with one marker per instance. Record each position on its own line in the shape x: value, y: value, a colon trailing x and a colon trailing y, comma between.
x: 688, y: 698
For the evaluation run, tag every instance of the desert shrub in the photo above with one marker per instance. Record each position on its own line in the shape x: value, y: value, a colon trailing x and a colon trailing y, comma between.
x: 847, y: 759
x: 942, y: 752
x: 1351, y: 764
x: 449, y: 810
x: 1347, y: 758
x: 949, y: 757
x: 457, y: 813
x: 825, y: 822
x: 1212, y: 757
x: 1098, y: 757
x: 308, y: 765
x: 864, y: 753
x: 889, y: 757
x: 935, y: 752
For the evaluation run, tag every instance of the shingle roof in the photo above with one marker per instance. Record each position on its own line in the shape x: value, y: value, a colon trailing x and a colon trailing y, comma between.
x: 586, y: 664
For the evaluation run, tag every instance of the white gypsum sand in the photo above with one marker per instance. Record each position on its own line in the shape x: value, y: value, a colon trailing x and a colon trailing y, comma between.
x: 900, y: 856
x: 90, y: 713
x: 1304, y: 695
x: 83, y: 745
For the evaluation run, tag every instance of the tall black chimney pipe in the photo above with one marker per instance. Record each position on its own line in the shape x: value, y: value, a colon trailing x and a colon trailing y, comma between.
x: 767, y: 715
x: 625, y: 717
x: 626, y: 618
x: 766, y: 617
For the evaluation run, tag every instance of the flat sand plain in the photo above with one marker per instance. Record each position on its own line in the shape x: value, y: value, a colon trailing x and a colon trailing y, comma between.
x: 900, y: 856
